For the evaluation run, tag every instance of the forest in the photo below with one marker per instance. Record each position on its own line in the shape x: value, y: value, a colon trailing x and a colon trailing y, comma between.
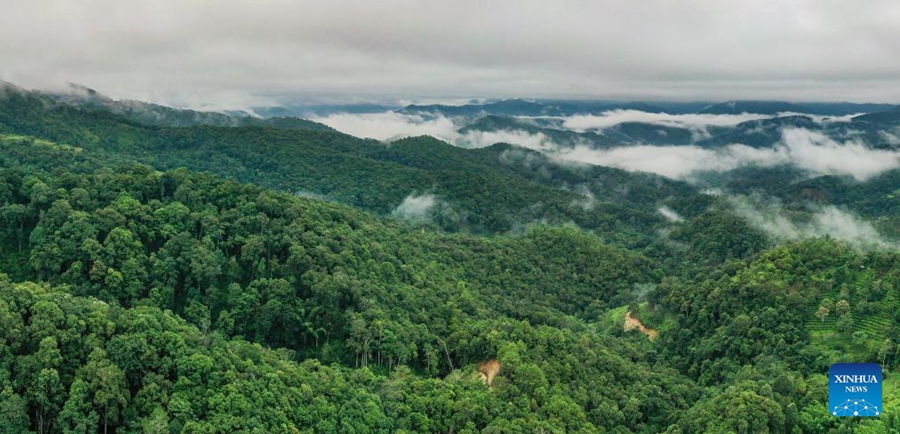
x: 167, y: 277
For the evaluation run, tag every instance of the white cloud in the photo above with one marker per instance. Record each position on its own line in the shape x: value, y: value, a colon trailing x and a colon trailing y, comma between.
x: 669, y: 214
x: 697, y: 123
x: 808, y: 150
x: 390, y: 125
x: 829, y: 220
x: 587, y: 200
x: 480, y: 139
x: 890, y: 138
x: 612, y: 118
x: 416, y: 207
x: 821, y: 119
x: 671, y: 161
x: 820, y: 154
x: 805, y: 149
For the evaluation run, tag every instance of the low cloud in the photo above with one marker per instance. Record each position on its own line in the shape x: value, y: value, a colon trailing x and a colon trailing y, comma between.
x: 677, y: 162
x: 387, y: 126
x: 823, y: 119
x: 525, y: 158
x: 587, y: 201
x: 670, y: 215
x: 829, y: 220
x: 612, y: 118
x: 803, y: 148
x: 820, y: 154
x: 415, y: 207
x: 698, y: 124
x: 480, y: 139
x: 889, y: 138
x: 311, y: 195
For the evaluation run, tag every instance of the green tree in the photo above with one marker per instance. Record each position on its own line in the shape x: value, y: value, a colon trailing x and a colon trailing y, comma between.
x: 16, y: 216
x: 887, y: 347
x: 860, y: 337
x: 107, y: 384
x: 842, y: 308
x: 13, y: 413
x: 156, y: 423
x: 78, y: 415
x: 45, y: 394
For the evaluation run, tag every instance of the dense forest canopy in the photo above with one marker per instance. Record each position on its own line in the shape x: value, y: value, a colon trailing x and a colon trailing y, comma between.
x: 190, y: 273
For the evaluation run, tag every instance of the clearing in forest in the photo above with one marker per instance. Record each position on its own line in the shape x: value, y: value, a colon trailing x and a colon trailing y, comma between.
x: 632, y: 323
x: 489, y: 370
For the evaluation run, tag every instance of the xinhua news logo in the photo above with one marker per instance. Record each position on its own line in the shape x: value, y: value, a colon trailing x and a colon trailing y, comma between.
x: 854, y: 389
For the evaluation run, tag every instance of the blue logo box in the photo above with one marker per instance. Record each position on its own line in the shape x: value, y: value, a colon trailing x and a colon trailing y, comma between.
x: 854, y: 389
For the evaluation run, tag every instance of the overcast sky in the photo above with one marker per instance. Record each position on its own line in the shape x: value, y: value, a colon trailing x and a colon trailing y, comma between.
x: 230, y: 54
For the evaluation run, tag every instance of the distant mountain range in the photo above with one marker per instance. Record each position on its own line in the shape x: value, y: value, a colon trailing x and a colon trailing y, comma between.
x: 74, y: 94
x: 889, y: 117
x: 776, y: 107
x: 538, y: 117
x: 759, y: 133
x: 298, y: 155
x: 756, y: 107
x: 520, y: 107
x: 155, y: 114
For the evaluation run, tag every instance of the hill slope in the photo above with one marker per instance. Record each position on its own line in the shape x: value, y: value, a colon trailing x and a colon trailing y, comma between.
x: 494, y: 193
x: 141, y: 300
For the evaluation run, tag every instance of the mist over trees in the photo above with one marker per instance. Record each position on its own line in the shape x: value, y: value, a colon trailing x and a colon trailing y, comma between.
x: 161, y: 278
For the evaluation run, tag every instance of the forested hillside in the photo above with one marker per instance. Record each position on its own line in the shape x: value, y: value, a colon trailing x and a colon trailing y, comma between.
x: 488, y: 190
x: 161, y: 279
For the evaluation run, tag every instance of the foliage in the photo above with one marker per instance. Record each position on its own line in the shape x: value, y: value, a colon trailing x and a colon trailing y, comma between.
x: 144, y: 297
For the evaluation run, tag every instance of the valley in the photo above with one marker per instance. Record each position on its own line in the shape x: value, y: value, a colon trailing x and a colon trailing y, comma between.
x: 205, y: 273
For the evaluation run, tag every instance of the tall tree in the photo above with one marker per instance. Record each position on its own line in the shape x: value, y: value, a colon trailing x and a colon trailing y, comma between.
x: 107, y: 384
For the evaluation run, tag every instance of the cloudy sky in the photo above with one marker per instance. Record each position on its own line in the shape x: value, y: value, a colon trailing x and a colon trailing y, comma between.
x: 234, y: 53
